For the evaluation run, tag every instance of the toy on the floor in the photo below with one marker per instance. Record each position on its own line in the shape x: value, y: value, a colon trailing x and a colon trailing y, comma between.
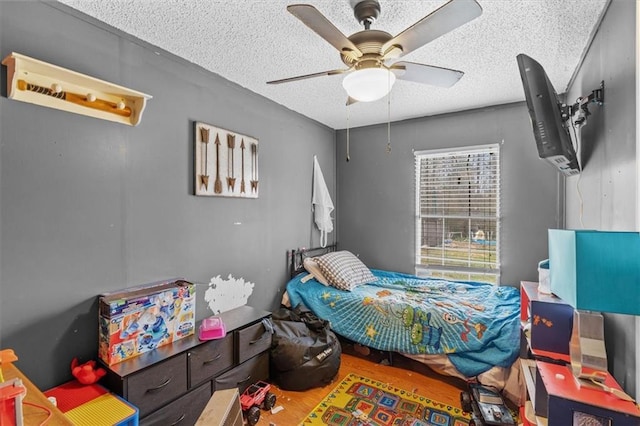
x: 255, y: 396
x: 7, y: 356
x: 86, y: 373
x: 92, y: 405
x: 486, y: 406
x: 12, y: 392
x: 362, y: 418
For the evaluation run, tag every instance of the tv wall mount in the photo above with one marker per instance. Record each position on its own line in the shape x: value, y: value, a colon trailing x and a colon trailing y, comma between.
x: 580, y: 109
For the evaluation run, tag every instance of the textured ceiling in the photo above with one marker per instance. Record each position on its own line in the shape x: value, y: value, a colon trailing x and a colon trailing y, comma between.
x: 251, y: 42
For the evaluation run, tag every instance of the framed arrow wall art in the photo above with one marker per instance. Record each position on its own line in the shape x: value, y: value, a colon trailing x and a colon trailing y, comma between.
x: 225, y: 163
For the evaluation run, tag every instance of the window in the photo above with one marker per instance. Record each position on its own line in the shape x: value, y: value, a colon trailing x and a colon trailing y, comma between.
x: 458, y: 213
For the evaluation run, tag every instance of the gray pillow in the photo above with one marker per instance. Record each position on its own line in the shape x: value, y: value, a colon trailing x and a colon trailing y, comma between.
x: 344, y: 270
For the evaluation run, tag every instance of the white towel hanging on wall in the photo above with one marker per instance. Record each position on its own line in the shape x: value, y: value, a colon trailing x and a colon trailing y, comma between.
x: 321, y: 203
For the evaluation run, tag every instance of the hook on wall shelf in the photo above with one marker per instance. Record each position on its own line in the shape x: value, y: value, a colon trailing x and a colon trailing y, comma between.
x: 37, y: 82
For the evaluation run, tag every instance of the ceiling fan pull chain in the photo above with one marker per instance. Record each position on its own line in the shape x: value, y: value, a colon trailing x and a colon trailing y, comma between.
x: 389, y: 116
x: 347, y: 134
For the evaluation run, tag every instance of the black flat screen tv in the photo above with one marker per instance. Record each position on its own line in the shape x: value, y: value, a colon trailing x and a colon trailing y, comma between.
x: 550, y: 128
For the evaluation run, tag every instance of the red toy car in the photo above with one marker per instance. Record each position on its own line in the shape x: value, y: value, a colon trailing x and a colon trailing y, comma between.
x: 254, y: 396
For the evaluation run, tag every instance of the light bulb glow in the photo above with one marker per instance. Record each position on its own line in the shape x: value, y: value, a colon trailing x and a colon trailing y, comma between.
x: 369, y: 84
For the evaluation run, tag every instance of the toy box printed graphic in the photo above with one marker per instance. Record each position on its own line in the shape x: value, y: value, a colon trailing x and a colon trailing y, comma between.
x: 136, y: 320
x: 550, y: 318
x: 551, y: 325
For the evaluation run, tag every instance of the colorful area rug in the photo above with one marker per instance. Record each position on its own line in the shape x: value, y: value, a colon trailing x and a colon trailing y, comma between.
x: 361, y: 401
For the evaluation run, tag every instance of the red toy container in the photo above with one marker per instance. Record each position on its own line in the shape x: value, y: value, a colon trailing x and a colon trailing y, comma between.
x: 11, y: 394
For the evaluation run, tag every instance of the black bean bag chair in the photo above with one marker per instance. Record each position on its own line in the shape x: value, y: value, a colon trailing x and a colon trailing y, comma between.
x: 305, y: 353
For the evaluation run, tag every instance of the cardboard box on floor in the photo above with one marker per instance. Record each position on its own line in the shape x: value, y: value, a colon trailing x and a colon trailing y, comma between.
x: 222, y: 409
x: 139, y: 319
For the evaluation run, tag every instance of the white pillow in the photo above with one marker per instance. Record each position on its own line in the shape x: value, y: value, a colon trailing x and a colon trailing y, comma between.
x: 312, y: 267
x: 344, y: 270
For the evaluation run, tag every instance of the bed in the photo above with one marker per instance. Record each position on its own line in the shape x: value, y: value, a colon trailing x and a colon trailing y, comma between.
x: 462, y: 329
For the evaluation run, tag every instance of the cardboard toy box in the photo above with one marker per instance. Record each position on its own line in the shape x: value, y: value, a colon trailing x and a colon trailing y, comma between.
x: 551, y: 320
x: 139, y: 319
x: 563, y: 400
x: 596, y: 270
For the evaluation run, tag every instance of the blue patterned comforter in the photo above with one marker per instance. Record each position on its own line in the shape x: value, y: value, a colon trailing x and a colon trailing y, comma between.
x: 475, y: 324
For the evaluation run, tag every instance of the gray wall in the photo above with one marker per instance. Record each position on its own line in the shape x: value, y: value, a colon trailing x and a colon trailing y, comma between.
x: 608, y: 181
x: 89, y: 206
x: 376, y: 189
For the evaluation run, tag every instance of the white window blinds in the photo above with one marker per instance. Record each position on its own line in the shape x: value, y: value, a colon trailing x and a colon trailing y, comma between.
x: 458, y: 213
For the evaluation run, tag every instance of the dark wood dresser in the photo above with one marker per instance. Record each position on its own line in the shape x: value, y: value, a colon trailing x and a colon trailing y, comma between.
x: 172, y: 384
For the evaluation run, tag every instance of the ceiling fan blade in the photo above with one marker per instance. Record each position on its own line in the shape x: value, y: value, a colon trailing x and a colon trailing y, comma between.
x: 439, y: 22
x: 312, y: 18
x: 426, y: 74
x: 303, y: 77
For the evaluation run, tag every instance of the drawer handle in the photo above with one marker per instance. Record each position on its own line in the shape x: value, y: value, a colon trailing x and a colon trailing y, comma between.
x: 179, y: 420
x: 223, y: 382
x: 159, y: 386
x: 258, y: 339
x: 209, y: 361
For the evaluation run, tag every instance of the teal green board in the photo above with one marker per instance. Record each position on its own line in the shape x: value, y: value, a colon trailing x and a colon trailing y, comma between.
x: 596, y: 270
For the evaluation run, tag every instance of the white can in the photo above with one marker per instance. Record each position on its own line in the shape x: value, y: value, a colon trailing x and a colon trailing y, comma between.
x: 544, y: 282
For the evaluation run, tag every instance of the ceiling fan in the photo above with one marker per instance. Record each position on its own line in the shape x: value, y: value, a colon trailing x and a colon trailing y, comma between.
x: 371, y: 55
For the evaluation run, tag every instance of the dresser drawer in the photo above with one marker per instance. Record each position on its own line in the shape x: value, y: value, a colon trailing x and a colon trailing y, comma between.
x: 184, y: 411
x: 245, y: 374
x: 253, y: 340
x: 209, y: 359
x: 153, y: 387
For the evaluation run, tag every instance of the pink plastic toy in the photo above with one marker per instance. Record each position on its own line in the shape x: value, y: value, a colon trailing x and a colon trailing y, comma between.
x: 211, y: 328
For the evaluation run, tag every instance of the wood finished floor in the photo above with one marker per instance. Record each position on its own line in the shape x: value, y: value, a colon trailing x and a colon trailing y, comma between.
x: 428, y: 383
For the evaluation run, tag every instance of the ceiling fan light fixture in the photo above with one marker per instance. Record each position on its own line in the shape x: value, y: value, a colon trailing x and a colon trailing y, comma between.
x: 369, y: 84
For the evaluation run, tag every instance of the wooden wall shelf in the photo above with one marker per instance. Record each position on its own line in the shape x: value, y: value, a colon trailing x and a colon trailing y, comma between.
x: 33, y: 81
